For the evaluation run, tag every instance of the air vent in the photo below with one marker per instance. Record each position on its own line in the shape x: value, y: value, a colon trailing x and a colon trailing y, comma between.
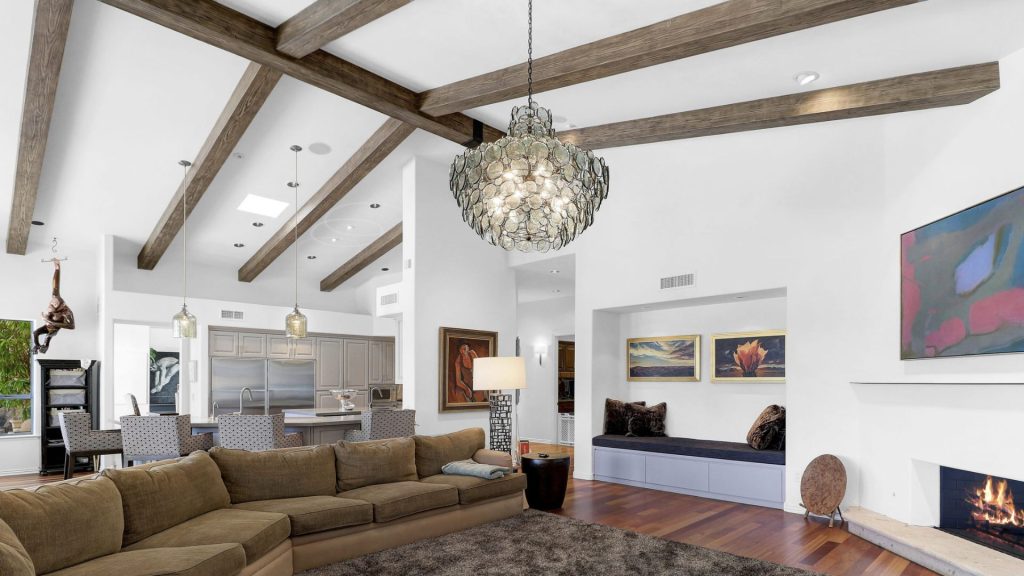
x: 389, y: 299
x: 232, y: 314
x: 680, y: 281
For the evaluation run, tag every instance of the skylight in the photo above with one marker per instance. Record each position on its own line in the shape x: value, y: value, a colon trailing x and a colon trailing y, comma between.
x: 262, y: 205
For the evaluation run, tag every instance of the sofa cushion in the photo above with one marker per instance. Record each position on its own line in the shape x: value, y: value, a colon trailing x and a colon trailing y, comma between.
x: 14, y: 559
x: 616, y: 415
x: 276, y: 474
x: 492, y: 457
x: 768, y: 432
x: 473, y: 489
x: 375, y: 462
x: 311, y: 514
x: 209, y: 560
x: 158, y: 497
x: 693, y: 447
x: 433, y: 452
x: 647, y: 421
x: 257, y: 532
x: 400, y: 499
x: 83, y: 516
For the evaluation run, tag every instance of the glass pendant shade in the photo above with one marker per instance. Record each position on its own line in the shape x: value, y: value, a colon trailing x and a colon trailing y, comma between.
x: 529, y: 191
x: 183, y: 325
x: 295, y: 324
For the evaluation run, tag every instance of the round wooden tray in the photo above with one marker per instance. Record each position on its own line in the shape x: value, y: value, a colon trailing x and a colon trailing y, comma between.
x: 823, y: 485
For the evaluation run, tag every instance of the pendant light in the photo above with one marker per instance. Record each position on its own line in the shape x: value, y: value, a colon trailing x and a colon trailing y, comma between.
x: 529, y: 191
x: 183, y: 325
x: 295, y: 323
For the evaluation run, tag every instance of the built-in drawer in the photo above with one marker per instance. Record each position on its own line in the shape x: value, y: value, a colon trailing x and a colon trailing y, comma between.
x: 621, y: 465
x: 677, y: 472
x: 747, y: 480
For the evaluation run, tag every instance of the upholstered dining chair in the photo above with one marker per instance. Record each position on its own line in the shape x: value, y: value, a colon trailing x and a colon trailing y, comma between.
x: 255, y: 432
x: 160, y: 437
x: 81, y: 440
x: 384, y: 423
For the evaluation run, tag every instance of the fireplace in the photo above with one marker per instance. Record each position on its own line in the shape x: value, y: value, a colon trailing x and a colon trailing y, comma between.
x: 981, y: 508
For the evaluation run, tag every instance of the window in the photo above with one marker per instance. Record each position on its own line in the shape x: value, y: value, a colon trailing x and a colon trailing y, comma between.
x: 15, y: 377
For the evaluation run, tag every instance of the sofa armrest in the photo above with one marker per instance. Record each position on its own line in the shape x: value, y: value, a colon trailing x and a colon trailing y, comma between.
x: 493, y: 457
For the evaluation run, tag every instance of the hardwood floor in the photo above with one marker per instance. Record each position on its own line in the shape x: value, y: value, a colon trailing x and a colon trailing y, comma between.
x: 740, y: 529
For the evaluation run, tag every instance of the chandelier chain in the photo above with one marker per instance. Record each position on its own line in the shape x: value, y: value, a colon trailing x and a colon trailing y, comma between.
x: 295, y: 224
x: 529, y: 55
x: 184, y: 236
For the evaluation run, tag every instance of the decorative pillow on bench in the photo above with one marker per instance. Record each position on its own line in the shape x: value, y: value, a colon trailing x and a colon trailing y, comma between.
x: 616, y: 416
x: 769, y: 430
x: 647, y: 421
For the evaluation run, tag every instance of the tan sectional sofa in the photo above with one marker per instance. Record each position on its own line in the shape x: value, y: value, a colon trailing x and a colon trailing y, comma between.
x: 230, y: 512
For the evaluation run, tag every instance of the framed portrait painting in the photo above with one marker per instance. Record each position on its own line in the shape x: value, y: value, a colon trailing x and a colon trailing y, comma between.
x: 749, y: 356
x: 663, y: 359
x: 164, y: 373
x: 458, y: 349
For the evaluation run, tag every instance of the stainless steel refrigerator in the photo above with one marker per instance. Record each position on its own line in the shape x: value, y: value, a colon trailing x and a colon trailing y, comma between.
x: 277, y: 385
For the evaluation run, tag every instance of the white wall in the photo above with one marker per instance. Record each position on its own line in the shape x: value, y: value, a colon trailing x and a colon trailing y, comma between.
x: 714, y: 411
x: 456, y: 280
x: 541, y: 323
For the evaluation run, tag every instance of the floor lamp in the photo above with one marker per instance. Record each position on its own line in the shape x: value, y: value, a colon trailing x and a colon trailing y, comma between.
x: 495, y: 375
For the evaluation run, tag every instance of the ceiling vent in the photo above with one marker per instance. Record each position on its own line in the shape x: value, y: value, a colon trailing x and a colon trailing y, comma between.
x: 232, y: 315
x: 389, y: 299
x: 681, y: 281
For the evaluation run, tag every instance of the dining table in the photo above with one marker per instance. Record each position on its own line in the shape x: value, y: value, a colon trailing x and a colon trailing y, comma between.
x: 316, y: 426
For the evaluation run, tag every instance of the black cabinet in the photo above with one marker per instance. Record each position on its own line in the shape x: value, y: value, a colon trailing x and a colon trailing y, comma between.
x: 65, y: 386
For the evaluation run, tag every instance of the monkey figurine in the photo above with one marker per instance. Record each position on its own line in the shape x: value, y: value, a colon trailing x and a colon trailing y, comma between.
x: 56, y: 316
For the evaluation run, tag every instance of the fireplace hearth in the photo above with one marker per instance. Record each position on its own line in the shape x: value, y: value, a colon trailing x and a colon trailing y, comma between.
x: 981, y: 508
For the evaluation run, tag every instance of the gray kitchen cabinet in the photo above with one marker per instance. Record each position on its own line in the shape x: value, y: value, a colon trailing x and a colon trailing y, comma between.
x: 329, y: 375
x: 304, y: 349
x: 223, y: 344
x: 284, y: 348
x: 376, y: 362
x: 252, y: 345
x: 388, y: 362
x: 356, y: 364
x: 326, y: 400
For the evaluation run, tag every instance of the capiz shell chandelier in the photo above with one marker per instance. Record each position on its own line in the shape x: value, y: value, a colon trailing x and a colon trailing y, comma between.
x: 529, y: 191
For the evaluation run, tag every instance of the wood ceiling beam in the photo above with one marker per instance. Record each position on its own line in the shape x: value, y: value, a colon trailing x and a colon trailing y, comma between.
x: 50, y: 26
x: 369, y: 155
x: 325, y: 21
x: 249, y: 96
x: 366, y: 256
x: 729, y: 23
x: 227, y: 29
x: 950, y: 87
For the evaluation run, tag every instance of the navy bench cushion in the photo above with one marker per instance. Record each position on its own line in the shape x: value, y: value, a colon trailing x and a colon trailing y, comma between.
x: 693, y: 447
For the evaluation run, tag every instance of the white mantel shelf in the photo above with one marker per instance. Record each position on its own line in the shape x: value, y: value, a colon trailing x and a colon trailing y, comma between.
x: 938, y: 383
x: 931, y: 548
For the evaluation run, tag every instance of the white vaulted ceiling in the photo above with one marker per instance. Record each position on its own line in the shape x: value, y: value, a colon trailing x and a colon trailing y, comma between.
x: 134, y: 98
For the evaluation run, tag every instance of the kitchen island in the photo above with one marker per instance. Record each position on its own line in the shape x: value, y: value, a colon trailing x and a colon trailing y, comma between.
x: 314, y: 429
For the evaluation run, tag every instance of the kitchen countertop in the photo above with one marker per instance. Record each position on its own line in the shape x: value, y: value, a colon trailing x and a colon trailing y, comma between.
x: 356, y: 420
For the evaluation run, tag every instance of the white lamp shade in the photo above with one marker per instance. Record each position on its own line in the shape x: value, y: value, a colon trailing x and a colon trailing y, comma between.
x: 499, y: 373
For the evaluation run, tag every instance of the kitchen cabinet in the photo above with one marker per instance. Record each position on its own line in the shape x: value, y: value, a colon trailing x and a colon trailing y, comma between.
x: 356, y: 364
x: 376, y: 362
x: 223, y: 343
x: 252, y: 345
x: 284, y: 348
x: 329, y: 367
x: 304, y: 349
x: 388, y: 362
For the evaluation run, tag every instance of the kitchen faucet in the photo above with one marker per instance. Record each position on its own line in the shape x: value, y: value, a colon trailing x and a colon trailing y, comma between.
x: 242, y: 393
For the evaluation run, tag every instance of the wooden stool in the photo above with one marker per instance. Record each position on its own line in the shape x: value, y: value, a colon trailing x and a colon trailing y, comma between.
x: 823, y: 486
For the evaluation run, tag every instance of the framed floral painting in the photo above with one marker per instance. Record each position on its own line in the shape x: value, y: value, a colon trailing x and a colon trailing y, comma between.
x: 749, y: 356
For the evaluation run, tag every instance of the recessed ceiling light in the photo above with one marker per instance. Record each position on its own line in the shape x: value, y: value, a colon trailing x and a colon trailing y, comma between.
x: 311, y: 257
x: 374, y: 205
x: 262, y: 205
x: 556, y: 291
x: 555, y: 271
x: 37, y: 222
x: 239, y: 155
x: 805, y: 78
x: 350, y: 227
x: 385, y: 269
x: 740, y: 297
x: 239, y: 245
x: 334, y: 239
x: 258, y: 224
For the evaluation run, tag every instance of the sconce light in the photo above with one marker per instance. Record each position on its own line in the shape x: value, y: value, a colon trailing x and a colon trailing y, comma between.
x: 540, y: 350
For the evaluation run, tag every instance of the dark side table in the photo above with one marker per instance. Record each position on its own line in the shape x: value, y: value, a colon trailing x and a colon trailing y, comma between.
x: 546, y: 478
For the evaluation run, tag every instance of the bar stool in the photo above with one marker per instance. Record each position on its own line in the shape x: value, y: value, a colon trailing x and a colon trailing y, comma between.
x: 81, y: 440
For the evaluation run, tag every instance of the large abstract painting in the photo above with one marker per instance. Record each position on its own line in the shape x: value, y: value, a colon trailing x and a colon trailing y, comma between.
x: 458, y: 349
x: 962, y: 282
x: 749, y: 357
x: 667, y: 358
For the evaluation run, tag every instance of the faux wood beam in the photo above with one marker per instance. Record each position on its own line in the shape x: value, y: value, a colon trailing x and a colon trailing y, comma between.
x: 366, y: 256
x: 950, y: 87
x: 49, y: 35
x: 227, y: 29
x: 369, y: 155
x: 722, y: 25
x: 249, y: 96
x: 324, y: 21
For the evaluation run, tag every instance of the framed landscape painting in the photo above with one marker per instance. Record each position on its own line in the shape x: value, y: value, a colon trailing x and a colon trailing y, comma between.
x: 458, y: 349
x: 663, y: 359
x: 749, y: 356
x: 962, y: 282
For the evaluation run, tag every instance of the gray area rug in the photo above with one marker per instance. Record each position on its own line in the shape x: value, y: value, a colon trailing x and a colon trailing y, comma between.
x: 541, y: 543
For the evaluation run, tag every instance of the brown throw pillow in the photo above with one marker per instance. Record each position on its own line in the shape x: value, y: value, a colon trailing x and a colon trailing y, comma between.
x: 275, y: 474
x: 616, y: 415
x: 375, y: 462
x: 769, y: 430
x: 647, y: 421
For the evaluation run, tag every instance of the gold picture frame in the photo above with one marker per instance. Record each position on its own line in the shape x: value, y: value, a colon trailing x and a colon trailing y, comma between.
x: 455, y: 378
x: 734, y: 359
x: 663, y: 359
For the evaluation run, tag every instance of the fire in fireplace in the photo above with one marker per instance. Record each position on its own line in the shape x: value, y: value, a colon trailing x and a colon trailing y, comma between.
x: 981, y: 508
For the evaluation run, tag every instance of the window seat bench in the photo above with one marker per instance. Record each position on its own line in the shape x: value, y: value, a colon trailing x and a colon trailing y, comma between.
x: 708, y: 468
